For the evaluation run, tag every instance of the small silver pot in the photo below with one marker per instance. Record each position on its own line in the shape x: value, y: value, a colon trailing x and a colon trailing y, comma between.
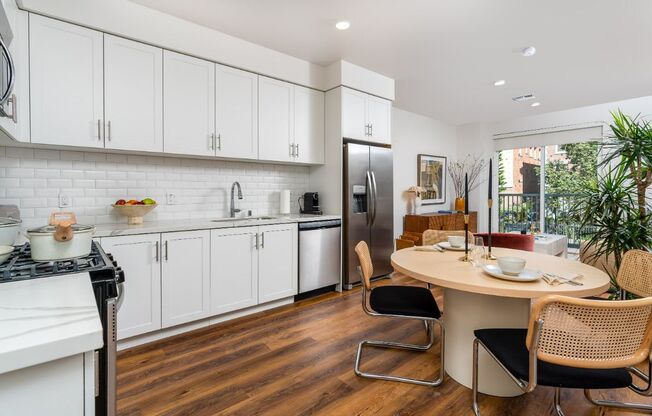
x: 9, y: 231
x: 45, y: 247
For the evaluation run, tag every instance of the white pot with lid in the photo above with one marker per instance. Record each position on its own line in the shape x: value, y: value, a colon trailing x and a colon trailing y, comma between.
x: 9, y: 231
x: 62, y: 239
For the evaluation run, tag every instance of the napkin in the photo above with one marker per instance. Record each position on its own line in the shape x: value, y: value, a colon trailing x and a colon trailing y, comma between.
x: 555, y: 279
x: 428, y: 248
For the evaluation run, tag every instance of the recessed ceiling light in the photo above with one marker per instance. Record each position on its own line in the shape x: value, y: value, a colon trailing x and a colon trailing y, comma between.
x: 528, y: 51
x: 499, y: 83
x: 535, y: 104
x: 343, y: 25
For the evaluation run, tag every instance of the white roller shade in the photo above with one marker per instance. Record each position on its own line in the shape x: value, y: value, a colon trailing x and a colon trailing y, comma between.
x: 548, y: 137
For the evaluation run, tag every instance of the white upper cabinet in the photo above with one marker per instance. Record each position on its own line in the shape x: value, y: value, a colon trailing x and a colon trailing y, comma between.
x: 234, y: 269
x: 308, y: 125
x: 275, y: 120
x: 236, y: 116
x: 139, y: 256
x: 354, y: 114
x: 277, y: 262
x: 366, y: 117
x: 188, y: 105
x: 133, y: 95
x: 66, y: 83
x: 379, y: 119
x: 185, y: 277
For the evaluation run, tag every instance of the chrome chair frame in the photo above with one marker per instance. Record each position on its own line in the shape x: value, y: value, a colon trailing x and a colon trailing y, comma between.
x: 529, y: 385
x: 429, y: 324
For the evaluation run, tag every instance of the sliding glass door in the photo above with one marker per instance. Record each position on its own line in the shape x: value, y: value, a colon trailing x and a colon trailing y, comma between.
x: 538, y: 186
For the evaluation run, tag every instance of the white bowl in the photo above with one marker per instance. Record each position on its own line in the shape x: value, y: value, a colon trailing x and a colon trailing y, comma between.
x: 512, y: 266
x: 5, y: 253
x: 456, y: 240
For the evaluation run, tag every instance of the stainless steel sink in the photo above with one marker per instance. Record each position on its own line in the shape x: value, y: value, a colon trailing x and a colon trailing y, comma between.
x: 261, y: 218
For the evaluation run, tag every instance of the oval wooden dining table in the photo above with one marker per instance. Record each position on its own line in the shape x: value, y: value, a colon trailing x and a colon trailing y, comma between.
x: 473, y: 300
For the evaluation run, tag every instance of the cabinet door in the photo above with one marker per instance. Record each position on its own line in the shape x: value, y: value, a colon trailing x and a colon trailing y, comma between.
x: 139, y: 257
x: 185, y: 277
x: 379, y: 118
x: 188, y: 105
x: 275, y: 120
x: 236, y: 113
x: 354, y: 114
x: 277, y: 262
x: 234, y: 269
x: 133, y: 95
x: 66, y: 83
x: 309, y: 125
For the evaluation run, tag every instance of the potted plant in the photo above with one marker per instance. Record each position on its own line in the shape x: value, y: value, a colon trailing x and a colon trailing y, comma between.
x: 471, y: 165
x: 616, y: 209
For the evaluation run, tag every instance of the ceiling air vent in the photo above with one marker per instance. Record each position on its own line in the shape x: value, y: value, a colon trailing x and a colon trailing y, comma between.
x: 522, y: 98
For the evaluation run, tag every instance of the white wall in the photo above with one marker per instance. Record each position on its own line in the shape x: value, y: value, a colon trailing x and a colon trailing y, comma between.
x: 33, y: 179
x: 478, y: 138
x: 414, y: 134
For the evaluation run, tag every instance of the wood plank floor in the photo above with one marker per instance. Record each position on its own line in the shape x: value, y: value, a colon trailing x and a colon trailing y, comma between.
x: 298, y: 360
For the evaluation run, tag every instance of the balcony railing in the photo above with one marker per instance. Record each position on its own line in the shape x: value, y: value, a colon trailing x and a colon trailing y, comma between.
x: 518, y: 212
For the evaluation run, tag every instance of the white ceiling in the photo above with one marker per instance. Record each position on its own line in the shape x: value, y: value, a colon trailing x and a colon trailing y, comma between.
x: 445, y: 54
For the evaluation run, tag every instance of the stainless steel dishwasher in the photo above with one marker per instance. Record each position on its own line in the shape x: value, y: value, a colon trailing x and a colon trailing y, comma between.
x: 319, y: 254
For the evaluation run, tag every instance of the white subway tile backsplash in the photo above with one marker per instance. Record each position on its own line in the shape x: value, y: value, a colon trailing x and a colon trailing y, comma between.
x: 33, y: 179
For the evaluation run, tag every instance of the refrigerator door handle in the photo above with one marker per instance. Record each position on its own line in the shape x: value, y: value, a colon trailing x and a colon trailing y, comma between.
x: 369, y: 197
x: 375, y: 192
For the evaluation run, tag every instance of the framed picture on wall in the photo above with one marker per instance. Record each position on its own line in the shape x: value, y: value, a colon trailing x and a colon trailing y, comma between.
x: 431, y: 175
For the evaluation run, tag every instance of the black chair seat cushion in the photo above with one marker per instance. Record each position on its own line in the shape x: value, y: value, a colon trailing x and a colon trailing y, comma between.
x: 508, y: 345
x: 404, y: 300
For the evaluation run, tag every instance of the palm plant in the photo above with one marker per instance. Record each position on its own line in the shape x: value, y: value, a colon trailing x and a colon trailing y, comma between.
x: 617, y: 206
x: 630, y: 147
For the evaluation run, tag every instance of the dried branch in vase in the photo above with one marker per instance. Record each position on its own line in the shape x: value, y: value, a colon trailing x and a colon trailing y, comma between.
x: 473, y: 165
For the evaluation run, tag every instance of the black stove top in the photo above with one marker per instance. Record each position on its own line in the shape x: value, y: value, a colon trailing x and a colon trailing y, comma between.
x: 20, y: 266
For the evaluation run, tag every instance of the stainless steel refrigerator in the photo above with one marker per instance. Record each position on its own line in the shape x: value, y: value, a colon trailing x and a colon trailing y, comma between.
x: 368, y: 208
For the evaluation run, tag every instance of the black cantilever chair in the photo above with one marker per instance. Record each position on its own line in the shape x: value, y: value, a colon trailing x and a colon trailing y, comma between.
x: 573, y: 343
x: 403, y: 302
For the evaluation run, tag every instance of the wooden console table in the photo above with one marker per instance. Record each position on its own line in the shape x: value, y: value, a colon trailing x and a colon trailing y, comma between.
x: 415, y: 225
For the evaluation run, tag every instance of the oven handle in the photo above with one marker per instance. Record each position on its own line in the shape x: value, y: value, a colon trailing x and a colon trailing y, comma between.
x: 121, y: 292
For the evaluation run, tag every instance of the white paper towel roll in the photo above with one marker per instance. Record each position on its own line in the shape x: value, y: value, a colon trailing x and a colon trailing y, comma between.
x: 285, y: 201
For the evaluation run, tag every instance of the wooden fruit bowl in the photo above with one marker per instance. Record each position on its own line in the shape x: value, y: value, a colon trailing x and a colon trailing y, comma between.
x: 134, y: 213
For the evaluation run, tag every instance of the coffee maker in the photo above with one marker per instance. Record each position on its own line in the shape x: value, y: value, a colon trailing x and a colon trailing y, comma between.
x: 311, y: 203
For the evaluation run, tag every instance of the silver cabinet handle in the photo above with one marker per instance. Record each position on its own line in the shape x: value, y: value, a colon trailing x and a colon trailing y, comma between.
x: 371, y: 129
x: 166, y: 250
x: 262, y: 240
x: 219, y: 141
x: 13, y: 100
x: 297, y: 147
x: 156, y: 244
x: 99, y: 129
x: 291, y: 149
x: 256, y: 241
x: 108, y: 130
x: 211, y: 142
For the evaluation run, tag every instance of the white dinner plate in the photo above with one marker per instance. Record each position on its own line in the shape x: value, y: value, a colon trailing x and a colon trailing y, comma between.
x: 525, y: 276
x: 447, y: 246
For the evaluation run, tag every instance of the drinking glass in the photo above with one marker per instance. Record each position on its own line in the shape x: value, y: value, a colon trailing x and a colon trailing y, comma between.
x: 477, y: 252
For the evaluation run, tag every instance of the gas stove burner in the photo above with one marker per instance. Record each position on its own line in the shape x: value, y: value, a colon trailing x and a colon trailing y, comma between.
x: 20, y: 265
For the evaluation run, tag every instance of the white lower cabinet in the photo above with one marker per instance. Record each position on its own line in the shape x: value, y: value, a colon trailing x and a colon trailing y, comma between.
x: 139, y: 256
x: 185, y: 277
x: 277, y: 262
x: 179, y: 277
x: 63, y: 387
x: 234, y: 269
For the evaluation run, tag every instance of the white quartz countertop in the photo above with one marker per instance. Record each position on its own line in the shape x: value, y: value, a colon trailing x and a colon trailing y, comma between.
x: 108, y: 230
x: 46, y: 319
